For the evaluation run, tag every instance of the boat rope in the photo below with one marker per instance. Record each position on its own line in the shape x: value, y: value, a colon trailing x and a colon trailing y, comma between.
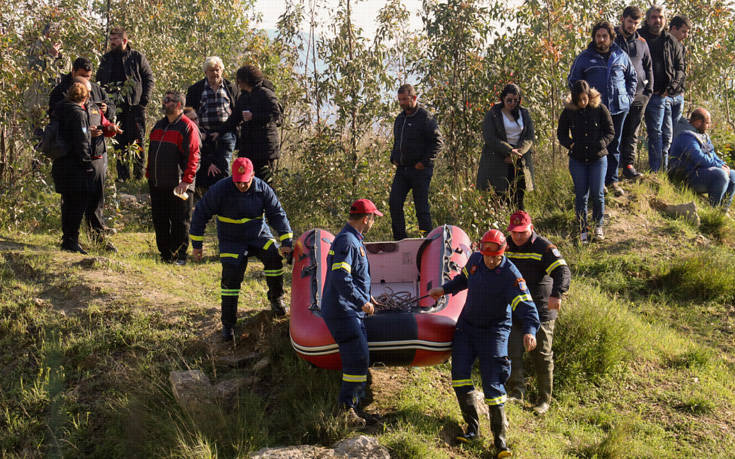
x: 395, y: 301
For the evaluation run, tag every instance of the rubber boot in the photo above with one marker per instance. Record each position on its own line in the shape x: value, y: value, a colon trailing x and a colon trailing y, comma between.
x: 516, y: 383
x: 471, y: 415
x: 545, y: 379
x: 499, y: 425
x: 275, y: 295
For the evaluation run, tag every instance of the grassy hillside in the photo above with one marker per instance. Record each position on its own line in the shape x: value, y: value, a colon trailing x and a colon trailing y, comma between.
x: 645, y: 356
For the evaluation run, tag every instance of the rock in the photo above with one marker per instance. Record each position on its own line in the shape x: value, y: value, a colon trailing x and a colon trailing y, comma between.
x: 293, y: 452
x: 191, y: 389
x: 228, y: 390
x: 236, y: 360
x: 87, y: 263
x: 361, y: 447
x: 261, y: 364
x: 688, y: 211
x: 127, y: 199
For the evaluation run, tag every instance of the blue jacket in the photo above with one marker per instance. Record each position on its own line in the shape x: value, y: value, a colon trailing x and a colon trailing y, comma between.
x: 616, y: 80
x: 347, y: 285
x: 240, y: 221
x: 692, y: 150
x: 494, y: 296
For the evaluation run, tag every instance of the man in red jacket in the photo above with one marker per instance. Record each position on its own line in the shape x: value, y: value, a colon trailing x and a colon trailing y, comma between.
x: 173, y: 159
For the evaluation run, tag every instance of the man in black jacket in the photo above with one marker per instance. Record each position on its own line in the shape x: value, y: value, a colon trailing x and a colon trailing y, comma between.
x: 637, y: 49
x: 547, y: 277
x: 128, y: 77
x: 98, y: 104
x: 259, y: 112
x: 213, y: 98
x: 668, y: 77
x: 416, y: 143
x: 679, y: 28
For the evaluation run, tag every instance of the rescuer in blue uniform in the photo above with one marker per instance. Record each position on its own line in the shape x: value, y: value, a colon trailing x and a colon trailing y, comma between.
x: 241, y: 202
x: 345, y: 302
x: 496, y: 296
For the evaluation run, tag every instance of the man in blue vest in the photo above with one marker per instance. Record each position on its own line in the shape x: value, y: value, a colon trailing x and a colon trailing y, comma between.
x: 241, y: 202
x: 346, y: 301
x: 497, y: 297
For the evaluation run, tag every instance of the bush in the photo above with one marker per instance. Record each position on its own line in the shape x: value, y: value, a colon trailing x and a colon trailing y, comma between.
x: 708, y: 276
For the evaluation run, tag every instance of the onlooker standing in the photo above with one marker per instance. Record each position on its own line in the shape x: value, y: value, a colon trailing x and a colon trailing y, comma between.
x: 586, y: 129
x: 173, y: 158
x: 258, y: 110
x: 679, y: 27
x: 126, y: 74
x: 213, y: 98
x: 668, y: 76
x: 506, y: 162
x: 608, y: 69
x: 416, y: 143
x: 637, y: 50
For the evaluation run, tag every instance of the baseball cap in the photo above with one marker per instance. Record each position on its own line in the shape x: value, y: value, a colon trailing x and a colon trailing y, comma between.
x: 519, y: 221
x: 242, y: 170
x: 364, y: 206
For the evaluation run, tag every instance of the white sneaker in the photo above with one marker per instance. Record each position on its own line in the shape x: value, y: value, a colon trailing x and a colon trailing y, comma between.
x: 584, y: 237
x: 599, y: 235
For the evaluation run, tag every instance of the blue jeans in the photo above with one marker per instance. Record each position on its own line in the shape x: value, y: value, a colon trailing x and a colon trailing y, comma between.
x: 588, y: 183
x: 613, y: 150
x: 660, y: 129
x: 677, y: 106
x: 717, y: 182
x: 409, y: 178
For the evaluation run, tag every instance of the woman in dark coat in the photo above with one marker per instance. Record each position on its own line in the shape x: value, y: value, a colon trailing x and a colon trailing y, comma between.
x: 73, y: 173
x: 506, y: 162
x: 586, y: 129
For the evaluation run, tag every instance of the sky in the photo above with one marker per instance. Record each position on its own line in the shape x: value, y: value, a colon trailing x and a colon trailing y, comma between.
x: 364, y: 13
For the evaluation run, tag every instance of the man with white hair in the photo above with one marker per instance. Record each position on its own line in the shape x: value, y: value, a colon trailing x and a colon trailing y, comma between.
x: 213, y: 98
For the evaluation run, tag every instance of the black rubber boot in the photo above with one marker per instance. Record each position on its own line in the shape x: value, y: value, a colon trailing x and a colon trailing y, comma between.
x: 471, y: 415
x: 545, y: 379
x: 275, y: 295
x: 498, y: 424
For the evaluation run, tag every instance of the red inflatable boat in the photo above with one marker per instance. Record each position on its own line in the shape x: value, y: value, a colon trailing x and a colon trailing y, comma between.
x: 419, y: 335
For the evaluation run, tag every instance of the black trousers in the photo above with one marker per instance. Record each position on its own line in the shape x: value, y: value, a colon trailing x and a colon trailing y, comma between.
x: 73, y: 205
x: 96, y: 201
x: 409, y: 178
x: 132, y: 122
x: 171, y: 220
x: 629, y: 136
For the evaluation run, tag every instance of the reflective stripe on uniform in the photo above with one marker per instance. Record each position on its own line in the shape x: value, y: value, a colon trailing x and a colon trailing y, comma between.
x: 524, y: 255
x: 464, y: 271
x: 273, y: 272
x: 228, y: 255
x: 230, y: 291
x: 343, y: 265
x: 496, y: 401
x: 354, y: 378
x: 236, y: 220
x: 520, y: 298
x: 196, y: 238
x: 331, y: 252
x: 461, y: 382
x: 555, y: 265
x: 269, y: 243
x: 285, y: 236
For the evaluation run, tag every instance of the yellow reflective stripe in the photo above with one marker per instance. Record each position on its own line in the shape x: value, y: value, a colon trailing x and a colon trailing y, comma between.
x: 273, y: 272
x: 555, y: 265
x: 496, y: 401
x: 269, y: 243
x: 461, y: 382
x: 285, y: 236
x: 331, y: 252
x: 524, y: 255
x: 196, y: 238
x: 230, y: 291
x: 354, y: 378
x: 343, y: 265
x: 520, y: 298
x: 464, y: 271
x: 238, y: 220
x: 229, y: 255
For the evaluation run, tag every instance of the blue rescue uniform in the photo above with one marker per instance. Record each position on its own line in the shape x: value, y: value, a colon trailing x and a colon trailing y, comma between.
x: 242, y: 230
x: 494, y: 299
x: 346, y: 290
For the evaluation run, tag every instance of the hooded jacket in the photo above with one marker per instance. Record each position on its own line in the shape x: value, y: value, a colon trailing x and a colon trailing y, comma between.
x: 637, y: 50
x: 586, y: 132
x: 692, y: 150
x: 615, y: 78
x: 136, y: 68
x: 72, y: 171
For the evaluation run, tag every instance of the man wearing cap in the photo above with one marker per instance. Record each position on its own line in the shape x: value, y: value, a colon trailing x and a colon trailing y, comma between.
x: 240, y: 203
x: 346, y: 301
x: 547, y: 276
x: 496, y: 297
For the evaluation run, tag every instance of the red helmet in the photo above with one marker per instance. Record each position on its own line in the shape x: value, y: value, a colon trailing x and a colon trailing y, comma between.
x: 494, y: 236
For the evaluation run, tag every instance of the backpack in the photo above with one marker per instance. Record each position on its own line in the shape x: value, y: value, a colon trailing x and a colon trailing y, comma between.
x: 52, y: 145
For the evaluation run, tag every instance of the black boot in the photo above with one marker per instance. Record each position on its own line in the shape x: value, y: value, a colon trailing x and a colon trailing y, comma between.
x: 275, y: 295
x: 71, y: 245
x: 498, y: 424
x: 471, y: 415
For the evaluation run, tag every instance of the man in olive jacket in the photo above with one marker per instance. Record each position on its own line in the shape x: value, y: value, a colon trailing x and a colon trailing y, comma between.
x: 417, y: 142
